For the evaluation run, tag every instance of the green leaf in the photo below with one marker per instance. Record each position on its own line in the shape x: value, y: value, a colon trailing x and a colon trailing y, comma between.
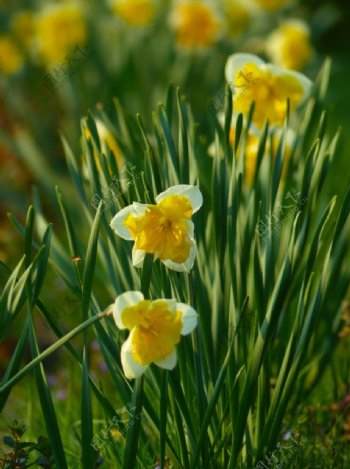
x: 88, y: 456
x: 47, y: 407
x: 90, y: 262
x: 134, y: 426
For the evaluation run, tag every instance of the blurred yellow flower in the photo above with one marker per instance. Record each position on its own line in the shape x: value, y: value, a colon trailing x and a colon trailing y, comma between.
x: 155, y: 329
x: 23, y: 27
x: 116, y: 435
x: 272, y: 5
x: 11, y: 58
x: 135, y: 12
x: 107, y: 141
x: 237, y: 17
x: 59, y: 29
x: 196, y: 23
x: 269, y: 87
x: 290, y: 45
x: 251, y: 151
x: 165, y: 229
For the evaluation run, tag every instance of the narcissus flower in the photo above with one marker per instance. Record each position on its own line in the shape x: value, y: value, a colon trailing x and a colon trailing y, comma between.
x: 289, y: 46
x: 135, y: 12
x: 11, y: 58
x: 268, y: 86
x: 196, y: 23
x: 59, y: 29
x: 155, y: 329
x: 165, y: 229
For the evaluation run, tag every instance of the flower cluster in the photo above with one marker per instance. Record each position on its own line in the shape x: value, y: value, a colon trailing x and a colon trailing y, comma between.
x: 166, y: 231
x: 48, y: 35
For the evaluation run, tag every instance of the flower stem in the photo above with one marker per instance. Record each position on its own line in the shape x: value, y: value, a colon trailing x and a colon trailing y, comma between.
x: 146, y: 275
x: 134, y: 425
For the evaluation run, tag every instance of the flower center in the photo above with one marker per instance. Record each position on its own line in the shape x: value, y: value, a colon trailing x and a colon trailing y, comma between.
x: 269, y: 92
x: 163, y: 229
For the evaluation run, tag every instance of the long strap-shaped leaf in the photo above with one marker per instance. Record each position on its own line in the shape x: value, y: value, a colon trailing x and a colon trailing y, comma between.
x: 47, y: 406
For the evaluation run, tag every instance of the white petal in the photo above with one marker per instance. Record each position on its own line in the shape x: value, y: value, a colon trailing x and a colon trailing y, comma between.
x: 186, y: 266
x: 305, y: 82
x: 129, y: 298
x: 138, y: 256
x: 189, y: 318
x: 192, y: 193
x: 190, y: 230
x: 139, y: 209
x: 117, y: 223
x: 236, y: 62
x: 131, y: 368
x: 169, y: 362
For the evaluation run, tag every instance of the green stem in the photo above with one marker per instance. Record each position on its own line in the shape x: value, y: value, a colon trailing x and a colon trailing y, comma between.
x: 134, y: 426
x: 146, y: 275
x: 163, y: 416
x: 11, y: 382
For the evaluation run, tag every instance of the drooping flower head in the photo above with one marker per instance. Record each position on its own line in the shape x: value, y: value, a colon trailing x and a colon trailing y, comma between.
x: 155, y: 330
x: 196, y: 23
x: 164, y: 229
x: 289, y: 45
x: 135, y: 12
x: 268, y: 86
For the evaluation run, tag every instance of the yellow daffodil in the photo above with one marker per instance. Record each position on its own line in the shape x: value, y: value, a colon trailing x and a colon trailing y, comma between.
x: 59, y: 29
x: 289, y: 46
x: 155, y: 330
x: 237, y: 17
x: 268, y: 86
x: 11, y: 58
x: 272, y: 5
x: 135, y: 12
x: 196, y: 24
x: 165, y: 229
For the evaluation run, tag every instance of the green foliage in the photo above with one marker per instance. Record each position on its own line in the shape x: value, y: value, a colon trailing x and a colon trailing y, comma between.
x: 269, y: 303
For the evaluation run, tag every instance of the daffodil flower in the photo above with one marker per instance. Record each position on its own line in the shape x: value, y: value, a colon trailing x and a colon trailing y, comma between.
x: 289, y: 45
x: 135, y: 12
x: 164, y: 230
x: 155, y: 329
x: 268, y: 86
x: 196, y: 23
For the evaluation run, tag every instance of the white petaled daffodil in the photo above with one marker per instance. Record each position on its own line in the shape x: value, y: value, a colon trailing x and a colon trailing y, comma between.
x: 155, y: 329
x: 164, y: 229
x: 268, y: 86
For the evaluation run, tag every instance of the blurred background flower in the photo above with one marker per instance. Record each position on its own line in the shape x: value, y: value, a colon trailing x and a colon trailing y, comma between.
x: 290, y: 45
